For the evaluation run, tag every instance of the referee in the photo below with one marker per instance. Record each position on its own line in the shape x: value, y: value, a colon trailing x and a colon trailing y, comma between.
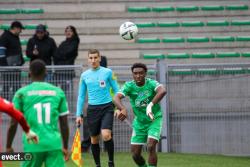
x: 97, y: 82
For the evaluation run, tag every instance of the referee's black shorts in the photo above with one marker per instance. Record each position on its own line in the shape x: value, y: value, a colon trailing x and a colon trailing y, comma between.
x: 100, y: 117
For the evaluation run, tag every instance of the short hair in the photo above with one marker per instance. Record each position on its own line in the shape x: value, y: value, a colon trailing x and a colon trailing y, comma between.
x: 16, y: 24
x: 93, y: 51
x: 139, y: 65
x: 37, y: 67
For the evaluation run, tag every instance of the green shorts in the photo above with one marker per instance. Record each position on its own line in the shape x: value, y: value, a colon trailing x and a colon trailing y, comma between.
x: 141, y: 131
x: 49, y: 158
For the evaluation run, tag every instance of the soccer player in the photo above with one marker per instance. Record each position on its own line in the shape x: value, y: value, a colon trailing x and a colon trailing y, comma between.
x: 145, y: 95
x: 97, y: 82
x: 42, y: 105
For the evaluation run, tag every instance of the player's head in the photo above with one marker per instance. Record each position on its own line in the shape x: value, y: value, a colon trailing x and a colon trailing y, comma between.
x: 37, y: 70
x: 139, y: 71
x: 94, y: 58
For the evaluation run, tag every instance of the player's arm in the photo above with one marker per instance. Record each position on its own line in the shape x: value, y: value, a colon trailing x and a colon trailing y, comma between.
x: 80, y: 101
x: 63, y: 121
x: 11, y: 134
x: 160, y: 93
x: 122, y: 112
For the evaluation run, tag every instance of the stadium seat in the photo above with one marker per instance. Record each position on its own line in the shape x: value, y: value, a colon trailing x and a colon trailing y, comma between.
x: 24, y: 41
x: 187, y: 8
x: 245, y: 54
x: 32, y: 11
x: 153, y: 56
x: 145, y: 24
x: 162, y: 8
x: 197, y: 39
x: 151, y: 72
x: 173, y: 40
x: 203, y: 55
x: 26, y: 59
x: 181, y: 72
x: 9, y: 11
x: 148, y: 40
x: 192, y: 24
x: 218, y: 23
x: 236, y: 7
x: 240, y: 22
x: 227, y: 54
x: 222, y: 39
x: 4, y: 26
x: 212, y: 8
x: 177, y: 56
x: 242, y: 38
x: 168, y: 24
x: 139, y: 9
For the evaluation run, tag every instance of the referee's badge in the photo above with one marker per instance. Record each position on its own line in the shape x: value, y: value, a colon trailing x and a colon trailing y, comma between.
x: 102, y: 84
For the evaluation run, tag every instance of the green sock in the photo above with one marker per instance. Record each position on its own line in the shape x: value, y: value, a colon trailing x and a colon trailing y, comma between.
x: 145, y: 165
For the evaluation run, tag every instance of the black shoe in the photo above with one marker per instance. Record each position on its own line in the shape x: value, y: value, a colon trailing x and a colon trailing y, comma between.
x: 111, y: 164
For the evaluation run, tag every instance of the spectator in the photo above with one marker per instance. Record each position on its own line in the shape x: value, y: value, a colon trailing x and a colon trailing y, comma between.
x: 11, y: 55
x: 66, y: 55
x: 41, y: 46
x: 104, y: 62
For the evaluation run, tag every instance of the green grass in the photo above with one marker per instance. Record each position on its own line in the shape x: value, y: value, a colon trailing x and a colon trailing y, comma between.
x: 165, y: 160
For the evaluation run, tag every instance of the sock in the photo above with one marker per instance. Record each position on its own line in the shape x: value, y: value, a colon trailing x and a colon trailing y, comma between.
x: 145, y: 165
x: 109, y: 145
x: 95, y: 148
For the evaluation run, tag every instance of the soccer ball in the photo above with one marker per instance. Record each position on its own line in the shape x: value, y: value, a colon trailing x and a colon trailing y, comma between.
x: 128, y: 30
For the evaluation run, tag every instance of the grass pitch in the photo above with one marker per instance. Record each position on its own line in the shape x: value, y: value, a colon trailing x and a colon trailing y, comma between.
x: 164, y: 160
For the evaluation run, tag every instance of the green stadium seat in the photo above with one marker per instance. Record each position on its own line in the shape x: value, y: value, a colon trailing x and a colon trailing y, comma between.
x: 240, y: 22
x: 148, y: 40
x: 181, y: 72
x: 245, y: 54
x: 163, y: 9
x: 222, y: 39
x: 153, y: 56
x: 218, y: 23
x: 151, y: 72
x: 212, y: 8
x: 24, y: 41
x: 177, y: 56
x: 242, y: 38
x: 207, y: 71
x: 139, y: 9
x: 227, y: 54
x: 203, y: 55
x: 32, y: 11
x: 9, y: 11
x: 168, y: 24
x: 24, y: 74
x: 4, y: 26
x: 236, y: 7
x: 192, y: 24
x: 145, y: 25
x: 187, y: 8
x: 197, y: 39
x: 173, y: 40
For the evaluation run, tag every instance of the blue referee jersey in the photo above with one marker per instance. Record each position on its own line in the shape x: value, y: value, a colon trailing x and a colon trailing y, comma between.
x: 97, y: 83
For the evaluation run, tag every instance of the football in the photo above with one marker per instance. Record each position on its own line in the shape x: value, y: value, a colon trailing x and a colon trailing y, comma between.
x: 128, y: 30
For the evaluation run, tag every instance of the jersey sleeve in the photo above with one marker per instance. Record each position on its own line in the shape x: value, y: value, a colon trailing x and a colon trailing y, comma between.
x: 125, y: 89
x: 155, y: 84
x: 81, y: 96
x: 17, y: 101
x: 113, y: 82
x: 63, y: 107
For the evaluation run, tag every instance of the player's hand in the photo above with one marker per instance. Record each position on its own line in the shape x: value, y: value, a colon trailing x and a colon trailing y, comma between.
x: 79, y: 121
x: 66, y: 154
x: 121, y: 114
x: 32, y: 137
x: 9, y: 150
x: 149, y: 111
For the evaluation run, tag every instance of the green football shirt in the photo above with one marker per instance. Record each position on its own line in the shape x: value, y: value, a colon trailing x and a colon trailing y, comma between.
x: 42, y: 103
x: 140, y: 97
